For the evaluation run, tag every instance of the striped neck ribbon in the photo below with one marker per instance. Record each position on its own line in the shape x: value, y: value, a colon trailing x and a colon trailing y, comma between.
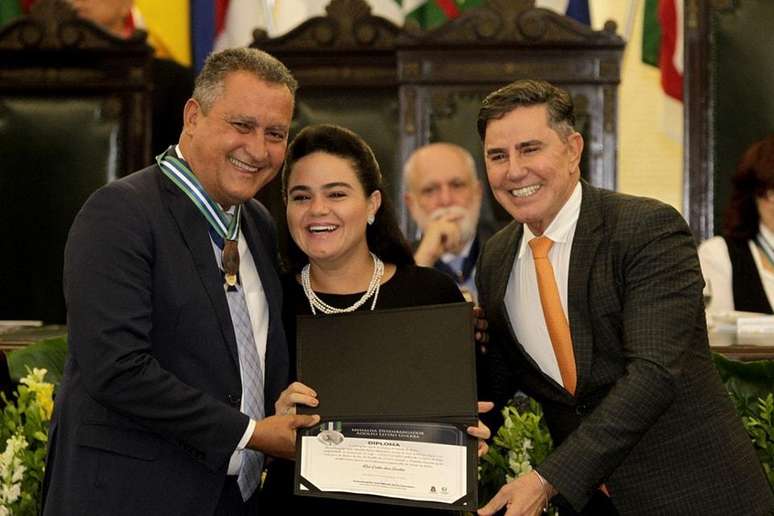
x: 178, y: 171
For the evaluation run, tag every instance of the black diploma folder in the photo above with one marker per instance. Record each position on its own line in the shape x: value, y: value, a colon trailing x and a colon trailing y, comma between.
x: 405, y: 365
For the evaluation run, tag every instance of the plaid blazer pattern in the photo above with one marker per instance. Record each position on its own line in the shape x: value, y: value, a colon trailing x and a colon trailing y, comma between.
x: 651, y: 418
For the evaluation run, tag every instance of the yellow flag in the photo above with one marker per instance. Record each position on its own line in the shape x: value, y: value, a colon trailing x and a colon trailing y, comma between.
x: 168, y: 24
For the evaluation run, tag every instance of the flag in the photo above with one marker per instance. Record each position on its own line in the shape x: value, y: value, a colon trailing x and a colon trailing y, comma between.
x: 662, y: 43
x: 651, y: 33
x: 576, y: 9
x: 9, y: 9
x: 168, y: 24
x: 430, y: 14
x: 670, y: 13
x: 203, y: 29
x: 579, y: 10
x: 239, y: 19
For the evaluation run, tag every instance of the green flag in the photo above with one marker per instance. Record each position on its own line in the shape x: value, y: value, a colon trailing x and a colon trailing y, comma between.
x: 9, y: 9
x: 430, y: 14
x: 651, y: 34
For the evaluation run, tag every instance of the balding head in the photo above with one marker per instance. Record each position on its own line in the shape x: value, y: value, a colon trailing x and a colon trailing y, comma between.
x: 108, y: 14
x: 439, y: 178
x: 437, y: 155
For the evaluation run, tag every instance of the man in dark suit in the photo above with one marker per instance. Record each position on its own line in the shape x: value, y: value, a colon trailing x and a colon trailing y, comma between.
x: 600, y: 318
x: 443, y: 195
x: 177, y: 350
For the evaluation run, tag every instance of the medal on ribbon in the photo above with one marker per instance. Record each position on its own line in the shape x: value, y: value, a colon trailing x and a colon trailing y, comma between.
x: 230, y: 259
x: 224, y: 228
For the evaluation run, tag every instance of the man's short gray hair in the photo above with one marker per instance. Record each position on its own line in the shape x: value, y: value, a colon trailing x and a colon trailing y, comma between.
x: 209, y: 82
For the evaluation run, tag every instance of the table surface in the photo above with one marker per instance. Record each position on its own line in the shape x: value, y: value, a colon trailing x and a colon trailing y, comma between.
x: 746, y: 347
x: 20, y: 336
x: 723, y: 342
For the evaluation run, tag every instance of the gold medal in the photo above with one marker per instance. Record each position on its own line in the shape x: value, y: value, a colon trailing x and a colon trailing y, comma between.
x: 230, y: 258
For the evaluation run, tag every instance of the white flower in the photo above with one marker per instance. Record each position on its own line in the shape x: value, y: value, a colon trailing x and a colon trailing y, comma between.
x: 10, y: 493
x: 11, y: 471
x: 18, y: 470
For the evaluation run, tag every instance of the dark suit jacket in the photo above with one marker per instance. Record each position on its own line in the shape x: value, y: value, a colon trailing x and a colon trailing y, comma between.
x: 650, y: 418
x: 147, y: 415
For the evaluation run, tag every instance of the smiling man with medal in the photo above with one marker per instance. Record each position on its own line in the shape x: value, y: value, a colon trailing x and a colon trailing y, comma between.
x: 177, y: 351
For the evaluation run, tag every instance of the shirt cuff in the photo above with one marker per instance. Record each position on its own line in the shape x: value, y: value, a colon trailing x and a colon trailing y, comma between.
x: 246, y: 437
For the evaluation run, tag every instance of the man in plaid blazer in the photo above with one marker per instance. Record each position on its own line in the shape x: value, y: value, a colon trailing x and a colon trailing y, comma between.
x: 640, y: 419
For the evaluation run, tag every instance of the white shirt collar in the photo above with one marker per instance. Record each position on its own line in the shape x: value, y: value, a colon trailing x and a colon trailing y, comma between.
x: 766, y: 233
x: 561, y: 228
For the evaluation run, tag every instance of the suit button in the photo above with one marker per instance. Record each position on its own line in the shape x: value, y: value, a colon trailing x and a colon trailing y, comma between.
x: 235, y: 401
x: 581, y: 409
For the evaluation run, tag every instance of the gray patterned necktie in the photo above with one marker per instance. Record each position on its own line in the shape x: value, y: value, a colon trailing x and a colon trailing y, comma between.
x: 252, y: 386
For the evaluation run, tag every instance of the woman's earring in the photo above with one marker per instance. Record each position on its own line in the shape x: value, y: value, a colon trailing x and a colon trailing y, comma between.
x: 370, y: 220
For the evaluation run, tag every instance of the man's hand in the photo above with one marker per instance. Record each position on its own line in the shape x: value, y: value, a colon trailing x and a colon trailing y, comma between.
x: 276, y: 435
x: 524, y: 496
x: 439, y: 236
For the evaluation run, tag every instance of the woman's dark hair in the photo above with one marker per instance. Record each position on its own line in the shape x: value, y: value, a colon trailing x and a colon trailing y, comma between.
x: 754, y: 177
x: 384, y: 236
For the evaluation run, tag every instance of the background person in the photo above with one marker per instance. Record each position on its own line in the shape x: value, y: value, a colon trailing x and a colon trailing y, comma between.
x: 174, y: 316
x: 738, y: 267
x: 347, y: 253
x: 595, y: 308
x: 172, y: 82
x: 443, y: 195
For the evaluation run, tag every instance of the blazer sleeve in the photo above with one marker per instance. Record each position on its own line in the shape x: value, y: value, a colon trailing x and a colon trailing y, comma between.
x: 108, y: 275
x: 660, y: 319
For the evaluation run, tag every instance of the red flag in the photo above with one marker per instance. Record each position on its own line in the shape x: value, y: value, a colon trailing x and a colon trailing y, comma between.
x: 671, y: 48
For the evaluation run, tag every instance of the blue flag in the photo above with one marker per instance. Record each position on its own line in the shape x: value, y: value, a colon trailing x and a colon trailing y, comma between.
x: 579, y: 10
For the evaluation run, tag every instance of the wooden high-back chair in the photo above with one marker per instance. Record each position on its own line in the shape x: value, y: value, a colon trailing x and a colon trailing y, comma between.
x: 74, y: 114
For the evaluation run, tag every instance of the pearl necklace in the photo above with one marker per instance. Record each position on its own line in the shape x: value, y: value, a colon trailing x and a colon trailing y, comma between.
x: 317, y: 303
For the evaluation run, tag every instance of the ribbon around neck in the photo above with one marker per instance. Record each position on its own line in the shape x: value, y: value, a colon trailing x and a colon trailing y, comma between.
x: 178, y: 171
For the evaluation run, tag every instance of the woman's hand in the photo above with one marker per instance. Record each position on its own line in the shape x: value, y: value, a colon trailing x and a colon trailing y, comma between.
x: 482, y: 431
x: 295, y: 394
x: 480, y: 325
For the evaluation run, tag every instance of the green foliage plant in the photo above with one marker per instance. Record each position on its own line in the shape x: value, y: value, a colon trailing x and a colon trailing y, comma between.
x: 521, y: 443
x: 23, y: 438
x: 760, y: 427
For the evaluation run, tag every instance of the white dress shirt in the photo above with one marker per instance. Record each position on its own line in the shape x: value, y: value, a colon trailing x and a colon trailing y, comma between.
x: 522, y: 297
x: 258, y: 310
x: 718, y: 274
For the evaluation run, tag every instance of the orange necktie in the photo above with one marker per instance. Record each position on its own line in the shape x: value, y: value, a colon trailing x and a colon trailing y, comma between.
x: 556, y: 321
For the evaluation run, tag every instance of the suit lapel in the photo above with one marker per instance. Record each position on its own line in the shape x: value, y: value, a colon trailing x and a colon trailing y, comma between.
x: 194, y: 230
x: 588, y: 236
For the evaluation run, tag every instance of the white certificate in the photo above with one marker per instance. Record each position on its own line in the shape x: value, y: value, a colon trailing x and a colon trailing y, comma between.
x: 412, y: 461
